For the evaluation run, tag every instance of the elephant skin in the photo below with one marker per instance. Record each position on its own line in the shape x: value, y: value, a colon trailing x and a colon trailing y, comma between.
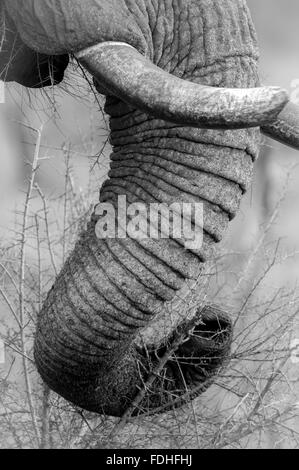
x: 85, y: 344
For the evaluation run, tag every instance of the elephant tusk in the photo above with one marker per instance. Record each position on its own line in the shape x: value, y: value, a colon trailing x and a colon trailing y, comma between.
x: 126, y: 73
x: 286, y: 128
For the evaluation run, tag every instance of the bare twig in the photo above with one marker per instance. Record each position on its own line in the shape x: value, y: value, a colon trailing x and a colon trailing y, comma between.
x: 22, y: 283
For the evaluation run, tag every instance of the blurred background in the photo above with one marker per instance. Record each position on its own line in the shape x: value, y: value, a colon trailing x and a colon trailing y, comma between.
x: 72, y: 121
x: 74, y: 137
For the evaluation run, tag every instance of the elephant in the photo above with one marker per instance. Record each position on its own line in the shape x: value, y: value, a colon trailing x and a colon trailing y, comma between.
x: 186, y: 112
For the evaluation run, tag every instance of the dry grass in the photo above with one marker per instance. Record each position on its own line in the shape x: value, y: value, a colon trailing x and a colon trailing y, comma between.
x: 253, y: 403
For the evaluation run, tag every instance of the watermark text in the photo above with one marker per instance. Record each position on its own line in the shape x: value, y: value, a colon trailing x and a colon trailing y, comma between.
x: 180, y: 221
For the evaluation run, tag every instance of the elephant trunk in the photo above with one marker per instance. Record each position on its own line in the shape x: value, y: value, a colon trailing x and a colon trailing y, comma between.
x: 111, y: 288
x: 86, y: 345
x: 189, y: 63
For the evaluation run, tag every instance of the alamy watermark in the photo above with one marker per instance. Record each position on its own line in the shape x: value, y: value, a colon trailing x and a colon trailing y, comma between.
x: 181, y: 221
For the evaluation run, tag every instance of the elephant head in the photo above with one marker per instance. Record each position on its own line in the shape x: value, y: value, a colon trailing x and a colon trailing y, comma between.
x: 186, y: 109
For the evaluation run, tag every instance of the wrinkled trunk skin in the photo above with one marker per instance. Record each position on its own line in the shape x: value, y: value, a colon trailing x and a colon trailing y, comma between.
x: 109, y: 289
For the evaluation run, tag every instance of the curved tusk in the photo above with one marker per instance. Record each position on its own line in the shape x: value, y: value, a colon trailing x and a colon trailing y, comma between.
x: 126, y: 73
x: 286, y: 128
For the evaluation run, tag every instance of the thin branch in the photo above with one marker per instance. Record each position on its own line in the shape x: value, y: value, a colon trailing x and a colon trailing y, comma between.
x: 22, y: 283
